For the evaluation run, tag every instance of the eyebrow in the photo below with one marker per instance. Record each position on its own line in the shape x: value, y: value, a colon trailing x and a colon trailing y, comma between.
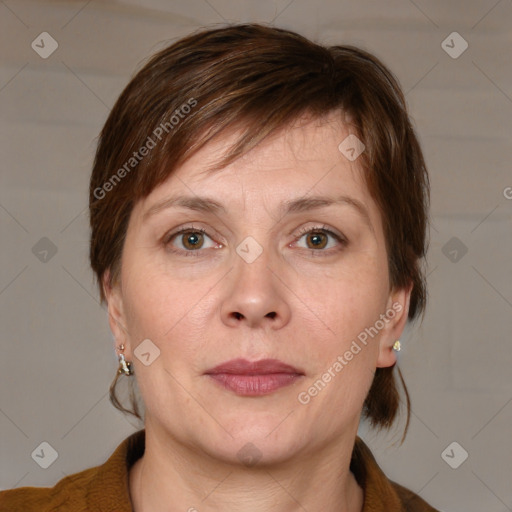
x: 303, y: 204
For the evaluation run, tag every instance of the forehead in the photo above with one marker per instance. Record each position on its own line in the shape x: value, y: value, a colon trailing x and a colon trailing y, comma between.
x: 302, y: 158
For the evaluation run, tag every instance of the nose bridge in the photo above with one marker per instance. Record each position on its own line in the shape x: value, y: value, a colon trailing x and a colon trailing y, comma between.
x: 254, y: 296
x: 253, y: 278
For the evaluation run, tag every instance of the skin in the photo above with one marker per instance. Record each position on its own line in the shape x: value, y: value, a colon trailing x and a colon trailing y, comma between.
x: 212, y: 306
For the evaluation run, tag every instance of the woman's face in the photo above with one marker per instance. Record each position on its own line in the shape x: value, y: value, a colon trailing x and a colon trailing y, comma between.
x: 277, y: 274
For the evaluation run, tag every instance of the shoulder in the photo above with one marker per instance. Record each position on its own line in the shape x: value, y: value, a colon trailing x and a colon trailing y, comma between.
x: 411, y: 502
x: 103, y: 487
x: 69, y: 494
x: 380, y: 493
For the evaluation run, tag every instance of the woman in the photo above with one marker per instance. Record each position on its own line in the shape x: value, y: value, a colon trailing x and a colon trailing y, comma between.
x: 258, y: 207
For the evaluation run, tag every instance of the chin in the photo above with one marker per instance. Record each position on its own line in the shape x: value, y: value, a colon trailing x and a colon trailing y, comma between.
x: 250, y: 452
x: 256, y: 440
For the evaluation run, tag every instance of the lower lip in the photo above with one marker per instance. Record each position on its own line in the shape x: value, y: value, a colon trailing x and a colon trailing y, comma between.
x: 255, y: 385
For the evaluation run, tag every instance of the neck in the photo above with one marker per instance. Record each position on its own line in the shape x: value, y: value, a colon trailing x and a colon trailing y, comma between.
x: 188, y: 480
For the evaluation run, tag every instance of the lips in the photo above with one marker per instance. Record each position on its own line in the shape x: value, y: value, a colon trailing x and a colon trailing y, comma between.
x: 246, y: 378
x: 262, y: 367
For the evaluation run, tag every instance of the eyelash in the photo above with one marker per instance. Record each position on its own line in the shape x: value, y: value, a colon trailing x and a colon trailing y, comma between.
x: 195, y: 253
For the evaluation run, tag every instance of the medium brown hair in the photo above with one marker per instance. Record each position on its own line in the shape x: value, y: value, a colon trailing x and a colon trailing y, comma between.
x: 262, y: 79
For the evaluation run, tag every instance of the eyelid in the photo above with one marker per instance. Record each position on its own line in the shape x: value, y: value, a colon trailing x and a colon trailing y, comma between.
x: 169, y: 235
x: 322, y: 227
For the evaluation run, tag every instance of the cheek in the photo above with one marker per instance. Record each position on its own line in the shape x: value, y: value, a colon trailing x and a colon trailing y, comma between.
x: 167, y: 309
x: 345, y: 300
x: 342, y: 356
x: 343, y: 359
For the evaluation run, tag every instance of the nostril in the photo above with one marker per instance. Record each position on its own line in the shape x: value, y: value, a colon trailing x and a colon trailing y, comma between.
x: 272, y: 314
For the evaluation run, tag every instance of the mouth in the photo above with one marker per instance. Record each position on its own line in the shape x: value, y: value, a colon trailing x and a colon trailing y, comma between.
x: 256, y: 378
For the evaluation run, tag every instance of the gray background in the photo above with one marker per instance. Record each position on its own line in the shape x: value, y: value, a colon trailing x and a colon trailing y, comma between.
x: 57, y: 357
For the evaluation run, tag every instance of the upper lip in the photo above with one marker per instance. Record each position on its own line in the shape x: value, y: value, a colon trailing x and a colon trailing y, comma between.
x: 261, y: 367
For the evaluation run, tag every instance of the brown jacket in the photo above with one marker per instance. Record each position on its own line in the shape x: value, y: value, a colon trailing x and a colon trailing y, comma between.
x: 105, y: 488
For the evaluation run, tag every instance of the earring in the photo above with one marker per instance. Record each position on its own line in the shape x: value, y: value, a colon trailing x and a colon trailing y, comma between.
x: 124, y: 365
x: 396, y: 346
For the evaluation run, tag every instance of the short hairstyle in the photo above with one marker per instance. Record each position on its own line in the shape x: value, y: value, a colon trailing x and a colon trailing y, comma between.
x: 261, y: 79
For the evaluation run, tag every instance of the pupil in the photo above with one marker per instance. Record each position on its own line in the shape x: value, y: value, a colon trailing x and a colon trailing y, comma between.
x: 316, y: 240
x: 193, y: 239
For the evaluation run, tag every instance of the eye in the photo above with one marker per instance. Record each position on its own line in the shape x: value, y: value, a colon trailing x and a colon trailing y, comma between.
x: 189, y: 240
x: 317, y: 238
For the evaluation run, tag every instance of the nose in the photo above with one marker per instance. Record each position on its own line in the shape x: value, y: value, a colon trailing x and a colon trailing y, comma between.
x: 255, y: 296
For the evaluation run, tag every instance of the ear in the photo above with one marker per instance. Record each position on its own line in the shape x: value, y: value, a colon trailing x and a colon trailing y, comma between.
x: 397, y: 311
x: 116, y: 314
